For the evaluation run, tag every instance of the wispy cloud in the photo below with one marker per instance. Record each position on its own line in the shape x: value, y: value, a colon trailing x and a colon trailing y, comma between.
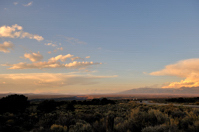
x: 33, y: 56
x: 29, y: 4
x: 57, y: 49
x: 36, y: 65
x: 15, y: 3
x: 72, y: 40
x: 54, y: 45
x: 50, y: 44
x: 188, y: 69
x: 76, y: 58
x: 16, y: 31
x: 49, y: 52
x: 6, y: 46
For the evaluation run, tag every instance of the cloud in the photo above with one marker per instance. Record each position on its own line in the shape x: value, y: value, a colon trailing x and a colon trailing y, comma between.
x: 16, y: 31
x: 33, y: 56
x: 6, y: 46
x: 15, y: 3
x: 51, y: 44
x: 79, y: 58
x: 31, y: 36
x: 81, y: 65
x: 54, y: 45
x: 49, y: 52
x: 52, y: 63
x: 188, y: 69
x: 29, y: 4
x: 61, y: 48
x: 74, y: 40
x: 38, y: 65
x: 30, y: 82
x: 7, y: 31
x: 76, y: 58
x: 61, y: 57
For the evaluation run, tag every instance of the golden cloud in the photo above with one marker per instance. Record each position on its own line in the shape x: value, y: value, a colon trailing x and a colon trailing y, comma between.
x: 50, y: 44
x: 51, y: 63
x: 6, y: 46
x: 16, y: 31
x: 36, y: 65
x: 76, y: 58
x: 61, y: 57
x: 33, y: 56
x: 37, y: 81
x: 188, y: 69
x: 81, y: 65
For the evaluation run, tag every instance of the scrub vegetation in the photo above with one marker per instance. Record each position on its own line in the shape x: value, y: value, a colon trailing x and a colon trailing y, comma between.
x: 17, y: 114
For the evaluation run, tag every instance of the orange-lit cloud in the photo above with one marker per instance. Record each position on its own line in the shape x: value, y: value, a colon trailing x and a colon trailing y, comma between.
x: 16, y: 31
x: 81, y: 65
x: 29, y: 4
x: 10, y: 31
x: 6, y: 46
x: 61, y: 48
x: 26, y: 82
x: 33, y: 56
x: 50, y: 44
x: 49, y: 52
x: 53, y: 62
x: 61, y: 57
x: 55, y: 50
x: 87, y: 57
x: 76, y: 58
x: 188, y: 69
x: 36, y: 65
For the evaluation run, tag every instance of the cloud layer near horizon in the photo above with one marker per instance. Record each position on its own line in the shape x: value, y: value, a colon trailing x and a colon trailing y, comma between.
x: 188, y: 69
x: 26, y: 82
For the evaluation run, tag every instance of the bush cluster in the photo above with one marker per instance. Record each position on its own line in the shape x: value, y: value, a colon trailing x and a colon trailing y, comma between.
x: 98, y: 115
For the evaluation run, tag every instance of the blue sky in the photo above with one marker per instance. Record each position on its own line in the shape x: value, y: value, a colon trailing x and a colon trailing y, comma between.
x: 120, y: 45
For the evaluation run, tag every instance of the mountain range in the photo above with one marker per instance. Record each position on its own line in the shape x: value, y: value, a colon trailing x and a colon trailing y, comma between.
x: 183, y: 90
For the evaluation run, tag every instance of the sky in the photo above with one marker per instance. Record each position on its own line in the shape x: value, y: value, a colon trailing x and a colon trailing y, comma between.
x: 91, y: 47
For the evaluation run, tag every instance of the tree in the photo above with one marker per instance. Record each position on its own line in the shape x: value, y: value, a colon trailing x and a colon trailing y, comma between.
x: 14, y: 103
x: 47, y: 106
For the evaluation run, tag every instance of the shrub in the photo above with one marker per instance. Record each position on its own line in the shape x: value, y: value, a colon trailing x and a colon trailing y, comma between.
x: 14, y: 103
x: 58, y: 128
x: 99, y: 126
x: 156, y: 117
x: 47, y: 120
x: 81, y: 126
x: 47, y: 106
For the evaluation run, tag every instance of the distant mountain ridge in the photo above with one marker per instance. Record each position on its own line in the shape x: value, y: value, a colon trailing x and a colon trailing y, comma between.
x: 32, y: 96
x: 137, y: 92
x: 183, y: 90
